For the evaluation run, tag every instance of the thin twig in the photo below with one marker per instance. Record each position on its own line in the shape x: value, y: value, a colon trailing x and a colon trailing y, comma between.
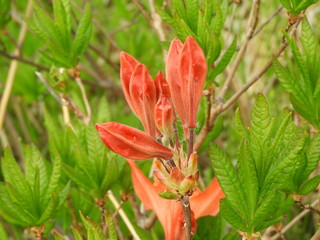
x: 23, y: 60
x: 157, y: 25
x: 260, y: 74
x: 265, y: 23
x: 252, y: 23
x: 13, y: 68
x: 49, y: 88
x: 85, y: 100
x: 143, y: 11
x: 123, y: 215
x: 293, y: 221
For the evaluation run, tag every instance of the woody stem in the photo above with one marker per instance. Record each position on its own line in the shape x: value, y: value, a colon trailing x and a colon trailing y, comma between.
x: 187, y: 216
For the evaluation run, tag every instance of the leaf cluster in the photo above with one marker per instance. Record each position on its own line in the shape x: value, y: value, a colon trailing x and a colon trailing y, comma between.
x: 65, y: 47
x: 32, y: 198
x: 302, y: 78
x: 295, y: 7
x: 94, y: 230
x: 96, y: 168
x: 203, y: 21
x: 270, y: 158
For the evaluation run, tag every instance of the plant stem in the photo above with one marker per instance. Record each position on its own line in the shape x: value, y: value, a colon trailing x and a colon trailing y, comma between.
x: 13, y: 68
x: 187, y: 216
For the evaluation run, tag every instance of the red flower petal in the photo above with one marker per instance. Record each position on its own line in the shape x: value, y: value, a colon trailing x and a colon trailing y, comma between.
x: 174, y: 80
x: 192, y: 68
x: 127, y: 66
x: 130, y: 142
x: 143, y: 96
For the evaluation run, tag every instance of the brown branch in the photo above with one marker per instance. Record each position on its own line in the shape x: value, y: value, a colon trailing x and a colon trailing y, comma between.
x: 143, y: 11
x: 252, y: 24
x: 265, y: 23
x: 187, y: 216
x: 23, y: 60
x: 293, y: 221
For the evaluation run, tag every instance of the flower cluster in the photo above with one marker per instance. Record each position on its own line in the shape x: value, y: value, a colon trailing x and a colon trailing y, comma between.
x: 159, y: 104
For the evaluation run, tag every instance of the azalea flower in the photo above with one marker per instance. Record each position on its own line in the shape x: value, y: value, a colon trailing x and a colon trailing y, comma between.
x: 169, y: 212
x: 158, y: 105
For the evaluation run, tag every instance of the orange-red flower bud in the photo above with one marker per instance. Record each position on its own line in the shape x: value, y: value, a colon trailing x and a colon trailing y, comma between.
x: 164, y: 115
x: 127, y: 66
x: 131, y: 143
x: 139, y: 91
x: 162, y: 86
x: 143, y: 96
x: 192, y: 70
x: 174, y: 80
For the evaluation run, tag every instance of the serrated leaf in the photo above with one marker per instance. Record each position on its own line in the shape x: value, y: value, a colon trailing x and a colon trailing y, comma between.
x: 54, y: 178
x: 14, y: 176
x: 218, y: 20
x: 83, y: 33
x: 265, y: 209
x: 240, y: 129
x: 225, y: 59
x: 50, y: 209
x: 76, y: 233
x: 313, y: 155
x: 287, y: 81
x: 233, y: 217
x: 76, y: 177
x: 248, y: 173
x: 310, y: 186
x: 214, y: 49
x: 36, y: 165
x: 111, y: 172
x: 228, y: 179
x: 192, y: 8
x: 283, y: 170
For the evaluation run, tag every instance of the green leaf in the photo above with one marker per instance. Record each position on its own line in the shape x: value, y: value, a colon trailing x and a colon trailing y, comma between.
x: 218, y: 20
x: 111, y: 172
x: 286, y: 4
x: 112, y: 230
x: 240, y: 129
x: 265, y: 210
x: 169, y: 195
x: 35, y: 164
x: 83, y: 33
x: 278, y: 176
x: 54, y: 178
x: 14, y: 176
x: 50, y: 209
x: 310, y: 186
x: 313, y: 155
x: 76, y: 233
x: 228, y: 179
x: 230, y: 214
x: 214, y: 49
x: 192, y: 8
x: 225, y: 59
x: 3, y: 233
x: 247, y: 170
x: 304, y: 4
